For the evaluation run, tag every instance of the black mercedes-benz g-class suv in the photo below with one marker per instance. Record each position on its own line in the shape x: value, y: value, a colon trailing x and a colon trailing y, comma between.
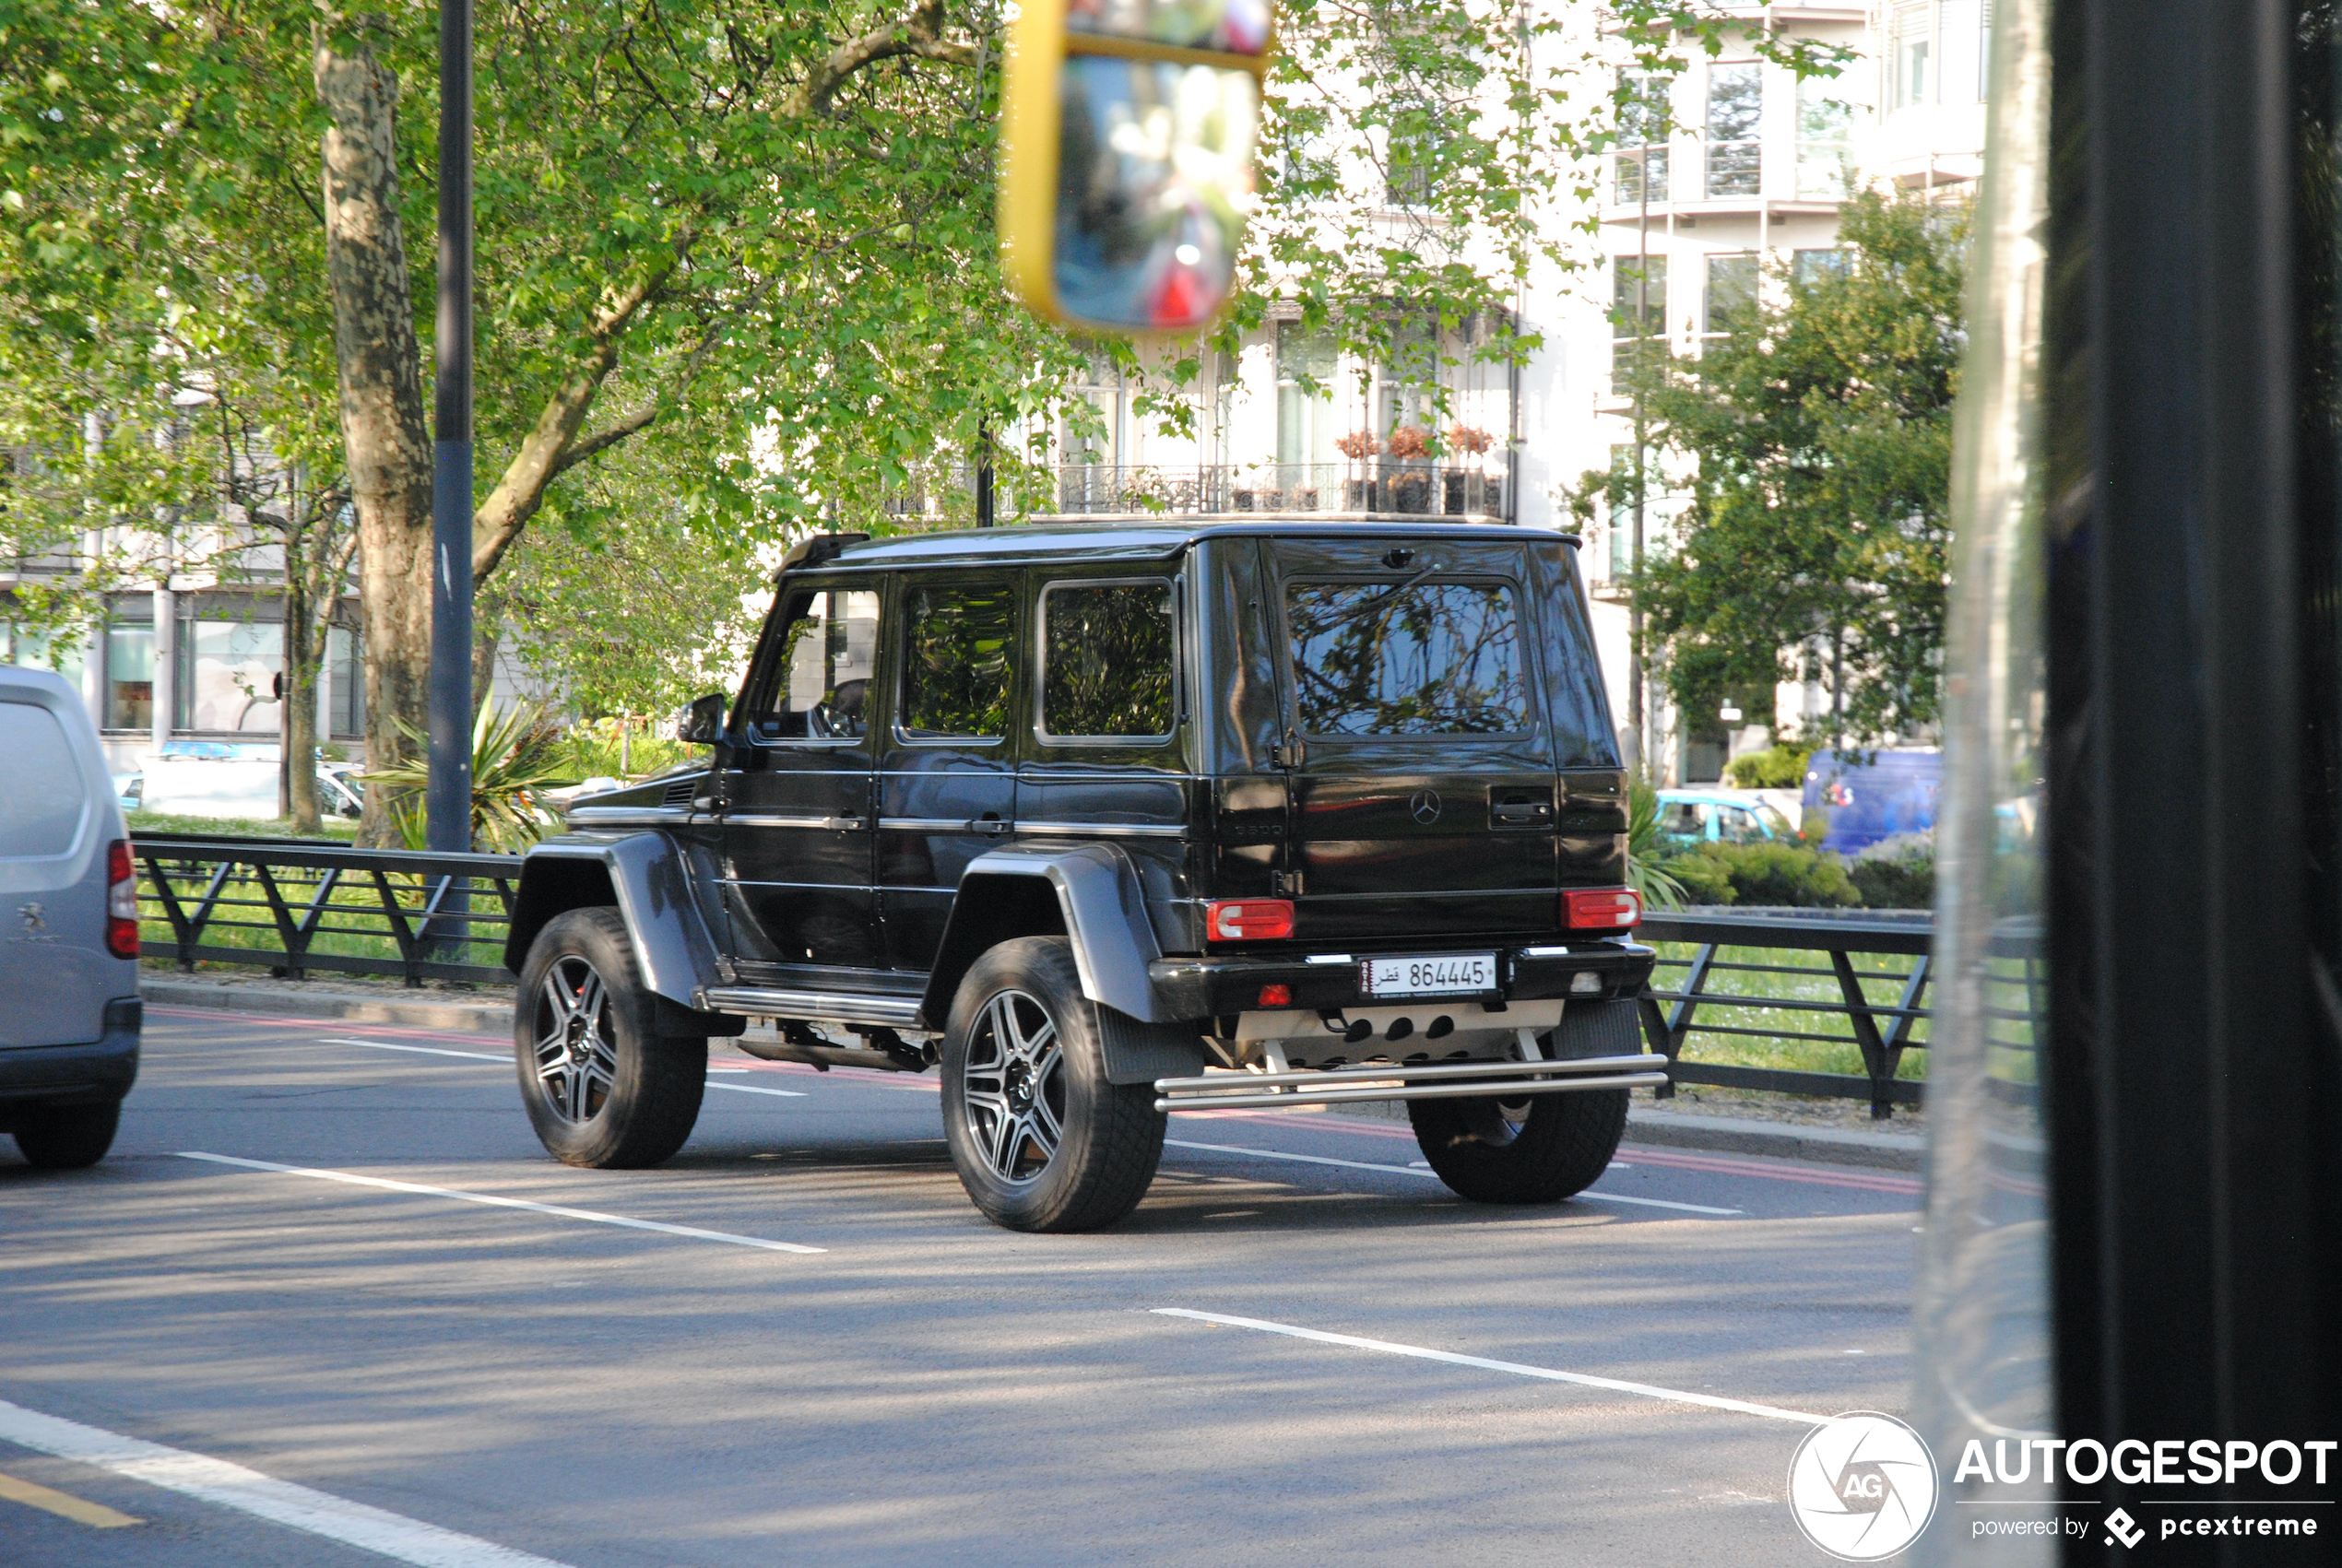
x: 1112, y: 822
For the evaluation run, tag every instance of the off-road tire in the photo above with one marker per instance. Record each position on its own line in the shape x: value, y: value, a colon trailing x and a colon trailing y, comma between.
x: 1540, y: 1150
x: 69, y: 1136
x: 1109, y: 1136
x: 610, y: 1092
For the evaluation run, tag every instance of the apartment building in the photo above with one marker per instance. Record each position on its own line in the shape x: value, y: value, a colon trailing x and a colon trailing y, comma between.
x: 1730, y: 177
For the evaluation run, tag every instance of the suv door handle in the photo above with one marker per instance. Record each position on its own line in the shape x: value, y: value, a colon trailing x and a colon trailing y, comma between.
x: 1521, y: 810
x: 849, y: 822
x: 990, y: 825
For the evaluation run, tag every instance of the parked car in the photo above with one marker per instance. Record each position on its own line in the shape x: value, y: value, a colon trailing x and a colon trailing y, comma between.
x: 68, y: 929
x: 1688, y: 817
x: 222, y: 782
x: 1106, y: 822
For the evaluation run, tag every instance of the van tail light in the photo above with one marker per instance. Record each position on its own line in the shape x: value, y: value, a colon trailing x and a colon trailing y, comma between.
x: 1601, y: 909
x: 1248, y: 920
x: 121, y: 900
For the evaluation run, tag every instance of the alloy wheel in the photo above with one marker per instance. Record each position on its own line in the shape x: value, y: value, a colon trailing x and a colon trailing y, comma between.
x: 1013, y: 1086
x: 576, y: 1049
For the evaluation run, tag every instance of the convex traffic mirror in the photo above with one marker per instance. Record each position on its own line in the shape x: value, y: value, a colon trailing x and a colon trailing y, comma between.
x: 1128, y: 130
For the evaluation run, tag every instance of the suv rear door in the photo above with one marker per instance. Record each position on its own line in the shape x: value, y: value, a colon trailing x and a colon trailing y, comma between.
x: 56, y: 808
x: 1417, y: 746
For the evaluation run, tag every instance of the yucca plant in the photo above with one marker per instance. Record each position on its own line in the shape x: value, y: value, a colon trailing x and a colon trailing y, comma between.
x: 515, y: 758
x: 1653, y: 883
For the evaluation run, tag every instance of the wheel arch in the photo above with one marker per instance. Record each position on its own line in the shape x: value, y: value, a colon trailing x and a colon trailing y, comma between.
x: 645, y: 877
x: 1089, y: 894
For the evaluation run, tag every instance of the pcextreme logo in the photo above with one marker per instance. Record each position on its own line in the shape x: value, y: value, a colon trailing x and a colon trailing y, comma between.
x: 1863, y: 1486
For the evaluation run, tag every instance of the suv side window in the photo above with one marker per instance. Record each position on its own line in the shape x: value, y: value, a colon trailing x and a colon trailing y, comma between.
x: 957, y: 643
x: 814, y: 682
x: 1109, y: 661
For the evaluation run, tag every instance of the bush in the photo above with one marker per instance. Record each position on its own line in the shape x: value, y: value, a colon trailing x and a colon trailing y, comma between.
x: 1780, y: 767
x: 1771, y: 873
x: 1896, y: 872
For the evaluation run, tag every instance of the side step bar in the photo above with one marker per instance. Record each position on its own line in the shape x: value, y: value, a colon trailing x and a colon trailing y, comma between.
x: 1447, y: 1080
x: 846, y: 1007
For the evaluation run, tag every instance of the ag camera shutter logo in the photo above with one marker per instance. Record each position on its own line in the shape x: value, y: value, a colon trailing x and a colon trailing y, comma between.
x: 1863, y: 1486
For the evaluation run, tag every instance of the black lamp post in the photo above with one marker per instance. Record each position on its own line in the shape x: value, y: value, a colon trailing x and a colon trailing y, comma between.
x: 447, y: 800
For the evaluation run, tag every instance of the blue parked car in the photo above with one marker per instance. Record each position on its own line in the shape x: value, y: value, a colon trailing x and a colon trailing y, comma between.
x: 1688, y: 817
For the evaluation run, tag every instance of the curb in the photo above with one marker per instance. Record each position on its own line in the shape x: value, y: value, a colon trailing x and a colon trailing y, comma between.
x: 1782, y: 1141
x: 474, y: 1018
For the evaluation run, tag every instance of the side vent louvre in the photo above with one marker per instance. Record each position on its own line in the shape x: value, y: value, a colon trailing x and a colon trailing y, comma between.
x: 679, y: 792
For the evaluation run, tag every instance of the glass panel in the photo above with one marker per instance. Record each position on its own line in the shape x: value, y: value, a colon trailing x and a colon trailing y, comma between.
x: 348, y: 717
x: 1637, y: 283
x: 1109, y: 660
x: 1809, y: 268
x: 1735, y: 126
x: 956, y: 642
x: 130, y: 676
x: 40, y: 783
x: 1305, y: 419
x: 1233, y: 27
x: 1961, y: 77
x: 1155, y: 178
x: 235, y: 664
x: 1824, y: 148
x: 39, y: 650
x: 819, y: 688
x: 1731, y: 292
x: 1417, y: 659
x: 1913, y: 45
x: 1642, y: 139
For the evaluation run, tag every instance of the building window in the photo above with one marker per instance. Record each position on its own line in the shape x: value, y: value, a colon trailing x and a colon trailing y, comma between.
x: 1913, y: 53
x: 1963, y: 29
x: 1622, y: 511
x: 1410, y: 376
x: 1731, y: 293
x: 228, y: 674
x: 1638, y: 307
x: 1642, y: 140
x: 1809, y: 268
x: 1305, y: 418
x: 1825, y: 150
x: 346, y: 684
x: 130, y: 677
x: 33, y: 650
x: 1415, y: 158
x: 1735, y: 129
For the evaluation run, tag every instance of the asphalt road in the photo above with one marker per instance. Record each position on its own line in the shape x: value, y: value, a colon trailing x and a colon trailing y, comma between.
x: 280, y: 1368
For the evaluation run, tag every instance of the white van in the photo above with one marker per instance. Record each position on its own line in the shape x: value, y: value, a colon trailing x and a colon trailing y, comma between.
x: 69, y: 1013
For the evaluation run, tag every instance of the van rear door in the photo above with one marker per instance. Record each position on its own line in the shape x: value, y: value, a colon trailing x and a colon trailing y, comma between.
x: 57, y: 806
x: 1417, y: 748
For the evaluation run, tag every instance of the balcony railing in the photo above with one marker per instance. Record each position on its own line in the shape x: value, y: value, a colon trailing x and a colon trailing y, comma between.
x: 1380, y: 485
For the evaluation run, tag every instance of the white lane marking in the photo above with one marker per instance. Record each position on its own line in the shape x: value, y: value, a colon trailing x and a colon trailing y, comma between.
x: 553, y: 1208
x: 752, y: 1088
x: 1413, y: 1171
x: 1550, y: 1374
x: 421, y: 1050
x: 231, y: 1486
x: 506, y: 1061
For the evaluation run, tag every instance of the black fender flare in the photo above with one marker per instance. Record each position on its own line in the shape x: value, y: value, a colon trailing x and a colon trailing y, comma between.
x: 1091, y: 894
x: 644, y: 874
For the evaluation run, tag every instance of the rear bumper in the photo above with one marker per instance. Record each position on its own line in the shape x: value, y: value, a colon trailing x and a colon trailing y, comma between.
x: 1504, y: 1080
x: 1221, y: 983
x: 95, y: 1073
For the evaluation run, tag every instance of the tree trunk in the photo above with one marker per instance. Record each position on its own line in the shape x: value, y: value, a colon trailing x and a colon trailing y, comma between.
x: 385, y: 436
x: 301, y: 700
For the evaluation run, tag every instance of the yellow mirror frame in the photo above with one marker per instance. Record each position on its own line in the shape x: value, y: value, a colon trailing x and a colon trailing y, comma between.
x: 1031, y: 109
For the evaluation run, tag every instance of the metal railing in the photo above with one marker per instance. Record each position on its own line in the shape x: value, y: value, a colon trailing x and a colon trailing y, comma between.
x: 294, y: 906
x: 1880, y: 1031
x: 1381, y: 485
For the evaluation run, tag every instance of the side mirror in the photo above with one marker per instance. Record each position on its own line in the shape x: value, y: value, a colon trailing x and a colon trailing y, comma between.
x: 1128, y: 130
x: 702, y: 722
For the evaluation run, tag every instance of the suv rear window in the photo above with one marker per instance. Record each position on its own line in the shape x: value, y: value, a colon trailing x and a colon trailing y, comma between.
x: 41, y: 785
x: 1410, y: 658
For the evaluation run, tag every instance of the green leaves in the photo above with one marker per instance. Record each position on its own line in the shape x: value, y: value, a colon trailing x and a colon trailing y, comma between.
x: 1817, y: 441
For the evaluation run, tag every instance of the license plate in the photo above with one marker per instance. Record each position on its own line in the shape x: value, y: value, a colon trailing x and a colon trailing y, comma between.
x: 1448, y: 974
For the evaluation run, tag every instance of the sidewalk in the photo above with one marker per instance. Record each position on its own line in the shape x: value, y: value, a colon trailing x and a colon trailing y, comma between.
x: 491, y: 1012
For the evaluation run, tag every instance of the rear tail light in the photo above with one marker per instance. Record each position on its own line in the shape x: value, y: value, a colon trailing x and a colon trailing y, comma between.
x: 121, y: 900
x: 1601, y: 909
x: 1248, y: 920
